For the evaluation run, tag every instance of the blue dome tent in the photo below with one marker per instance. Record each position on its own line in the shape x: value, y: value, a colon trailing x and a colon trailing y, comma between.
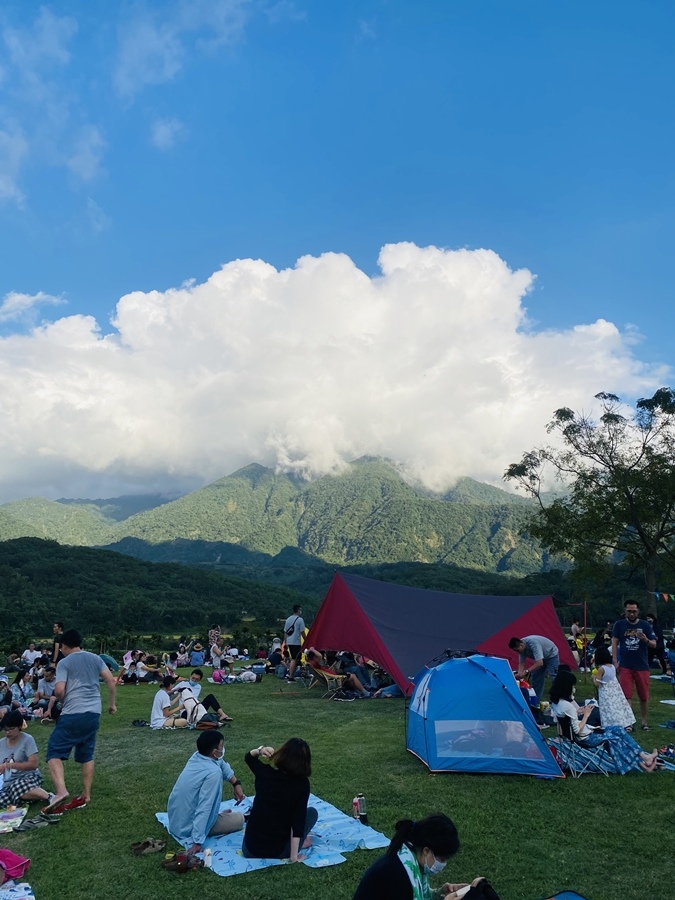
x: 468, y: 715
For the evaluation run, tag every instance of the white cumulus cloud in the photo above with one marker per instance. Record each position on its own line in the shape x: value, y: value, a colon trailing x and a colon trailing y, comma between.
x: 431, y: 363
x: 165, y: 132
x: 17, y: 307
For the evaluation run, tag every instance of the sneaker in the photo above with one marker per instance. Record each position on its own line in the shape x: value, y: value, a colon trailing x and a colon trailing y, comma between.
x: 51, y: 810
x: 54, y: 811
x: 76, y: 803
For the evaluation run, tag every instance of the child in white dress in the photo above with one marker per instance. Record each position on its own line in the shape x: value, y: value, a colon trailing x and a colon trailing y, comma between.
x: 614, y: 708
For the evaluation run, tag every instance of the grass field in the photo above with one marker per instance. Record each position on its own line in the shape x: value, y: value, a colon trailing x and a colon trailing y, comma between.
x: 608, y: 838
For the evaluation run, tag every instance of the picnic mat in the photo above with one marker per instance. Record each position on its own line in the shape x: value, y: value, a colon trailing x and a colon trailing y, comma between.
x: 10, y: 890
x: 10, y: 819
x: 566, y: 895
x: 334, y: 834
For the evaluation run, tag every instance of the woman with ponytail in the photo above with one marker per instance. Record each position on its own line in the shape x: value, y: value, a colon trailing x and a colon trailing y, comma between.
x: 417, y: 850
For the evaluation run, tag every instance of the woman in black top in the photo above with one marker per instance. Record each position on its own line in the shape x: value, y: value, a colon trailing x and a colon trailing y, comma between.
x: 280, y: 820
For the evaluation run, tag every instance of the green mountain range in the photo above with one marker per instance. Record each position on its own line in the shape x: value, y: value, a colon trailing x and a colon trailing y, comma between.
x: 256, y: 519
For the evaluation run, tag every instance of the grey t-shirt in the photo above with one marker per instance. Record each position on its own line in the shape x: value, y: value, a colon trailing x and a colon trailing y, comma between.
x: 297, y: 624
x: 46, y: 687
x: 538, y: 647
x: 81, y: 671
x: 25, y: 747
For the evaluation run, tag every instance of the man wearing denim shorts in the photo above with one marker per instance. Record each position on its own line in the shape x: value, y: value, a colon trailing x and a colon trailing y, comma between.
x: 77, y: 687
x: 632, y: 638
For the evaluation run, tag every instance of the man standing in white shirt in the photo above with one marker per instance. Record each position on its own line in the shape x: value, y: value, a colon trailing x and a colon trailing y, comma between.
x: 294, y: 628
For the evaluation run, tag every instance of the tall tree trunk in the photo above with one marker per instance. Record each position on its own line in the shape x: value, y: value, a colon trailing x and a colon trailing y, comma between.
x: 650, y: 583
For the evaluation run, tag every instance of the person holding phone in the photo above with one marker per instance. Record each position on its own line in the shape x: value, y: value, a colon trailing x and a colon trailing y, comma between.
x: 417, y: 851
x: 627, y: 755
x: 632, y: 639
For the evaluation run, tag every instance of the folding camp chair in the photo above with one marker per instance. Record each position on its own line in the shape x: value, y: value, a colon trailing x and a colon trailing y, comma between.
x: 330, y: 682
x: 304, y: 675
x: 578, y: 758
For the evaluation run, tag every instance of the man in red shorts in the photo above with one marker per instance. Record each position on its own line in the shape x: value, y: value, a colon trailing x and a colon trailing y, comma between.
x: 632, y: 637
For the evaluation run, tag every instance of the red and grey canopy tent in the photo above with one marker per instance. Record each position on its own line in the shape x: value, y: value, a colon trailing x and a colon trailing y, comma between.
x: 404, y: 628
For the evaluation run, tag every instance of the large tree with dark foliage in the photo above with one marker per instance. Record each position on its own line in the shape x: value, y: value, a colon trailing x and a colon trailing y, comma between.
x: 619, y: 476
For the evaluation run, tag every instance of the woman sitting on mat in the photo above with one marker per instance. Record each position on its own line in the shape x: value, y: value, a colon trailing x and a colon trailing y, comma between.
x: 614, y: 708
x: 627, y: 754
x: 280, y: 819
x: 19, y: 774
x: 417, y: 850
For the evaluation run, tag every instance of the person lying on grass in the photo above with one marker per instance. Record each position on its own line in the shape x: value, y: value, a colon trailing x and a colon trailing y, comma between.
x: 348, y: 682
x: 417, y: 850
x: 627, y: 754
x: 194, y: 802
x: 280, y: 819
x: 21, y: 778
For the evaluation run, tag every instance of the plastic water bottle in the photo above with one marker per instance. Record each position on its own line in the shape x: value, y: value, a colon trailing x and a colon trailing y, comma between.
x: 208, y: 858
x: 355, y: 807
x: 363, y: 816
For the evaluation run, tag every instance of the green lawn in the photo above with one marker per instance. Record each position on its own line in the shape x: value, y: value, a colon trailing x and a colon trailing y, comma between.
x: 609, y: 838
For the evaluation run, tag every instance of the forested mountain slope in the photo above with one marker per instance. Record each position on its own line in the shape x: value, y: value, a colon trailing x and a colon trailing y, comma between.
x: 368, y: 514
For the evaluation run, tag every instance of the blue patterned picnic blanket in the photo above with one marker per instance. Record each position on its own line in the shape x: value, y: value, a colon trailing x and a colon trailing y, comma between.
x: 12, y: 890
x: 334, y: 834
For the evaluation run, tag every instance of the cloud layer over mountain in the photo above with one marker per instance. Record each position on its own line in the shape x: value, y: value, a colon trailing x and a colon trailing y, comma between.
x: 432, y: 363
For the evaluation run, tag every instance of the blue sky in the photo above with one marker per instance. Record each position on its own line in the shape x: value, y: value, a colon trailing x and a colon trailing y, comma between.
x: 145, y: 145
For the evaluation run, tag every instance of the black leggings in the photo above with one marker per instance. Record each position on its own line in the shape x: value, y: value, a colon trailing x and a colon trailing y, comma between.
x: 210, y: 702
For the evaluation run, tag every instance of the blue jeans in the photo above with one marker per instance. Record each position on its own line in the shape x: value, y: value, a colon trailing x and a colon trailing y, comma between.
x: 538, y: 677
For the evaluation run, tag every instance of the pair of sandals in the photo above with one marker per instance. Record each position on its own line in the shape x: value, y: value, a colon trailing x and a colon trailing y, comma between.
x: 40, y: 821
x: 149, y: 845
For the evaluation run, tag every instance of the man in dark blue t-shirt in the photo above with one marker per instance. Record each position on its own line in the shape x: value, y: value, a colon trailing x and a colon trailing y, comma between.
x: 632, y: 638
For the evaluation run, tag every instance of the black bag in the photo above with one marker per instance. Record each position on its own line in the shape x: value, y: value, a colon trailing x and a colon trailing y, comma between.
x: 482, y: 891
x: 207, y: 722
x: 289, y: 631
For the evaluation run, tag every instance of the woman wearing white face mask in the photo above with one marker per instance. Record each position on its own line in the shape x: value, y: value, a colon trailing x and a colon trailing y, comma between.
x: 417, y: 850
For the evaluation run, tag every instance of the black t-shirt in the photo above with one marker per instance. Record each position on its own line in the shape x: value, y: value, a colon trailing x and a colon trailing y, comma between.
x: 280, y: 805
x: 57, y: 640
x: 386, y: 879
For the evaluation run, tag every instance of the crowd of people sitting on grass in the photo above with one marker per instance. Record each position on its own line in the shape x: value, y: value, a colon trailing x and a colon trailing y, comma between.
x: 27, y: 681
x: 280, y: 820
